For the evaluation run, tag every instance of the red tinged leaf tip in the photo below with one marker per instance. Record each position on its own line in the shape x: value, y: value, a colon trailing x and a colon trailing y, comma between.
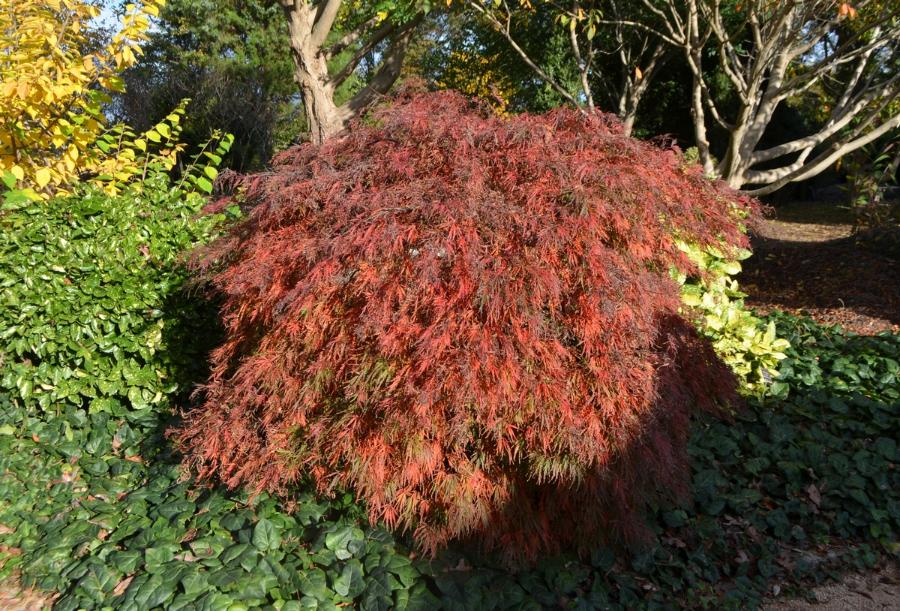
x: 468, y: 320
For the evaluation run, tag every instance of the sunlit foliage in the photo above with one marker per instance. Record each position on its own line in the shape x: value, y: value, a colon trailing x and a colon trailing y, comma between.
x: 52, y: 86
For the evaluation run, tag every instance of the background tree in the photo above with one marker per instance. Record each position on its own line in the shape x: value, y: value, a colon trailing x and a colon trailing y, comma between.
x: 506, y: 19
x: 228, y: 57
x: 773, y: 52
x: 613, y: 66
x: 635, y: 56
x: 460, y: 50
x: 373, y: 37
x: 748, y: 63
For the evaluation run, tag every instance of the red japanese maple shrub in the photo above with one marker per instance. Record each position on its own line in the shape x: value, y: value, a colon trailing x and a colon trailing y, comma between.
x: 468, y: 320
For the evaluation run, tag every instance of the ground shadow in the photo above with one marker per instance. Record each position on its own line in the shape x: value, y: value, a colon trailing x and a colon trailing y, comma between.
x: 836, y: 281
x: 789, y: 494
x: 815, y: 212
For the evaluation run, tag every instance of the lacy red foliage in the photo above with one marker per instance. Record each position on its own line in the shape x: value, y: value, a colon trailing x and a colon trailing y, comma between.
x: 469, y: 321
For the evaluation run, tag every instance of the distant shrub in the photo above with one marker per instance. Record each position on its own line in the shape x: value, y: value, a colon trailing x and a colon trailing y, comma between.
x: 469, y: 320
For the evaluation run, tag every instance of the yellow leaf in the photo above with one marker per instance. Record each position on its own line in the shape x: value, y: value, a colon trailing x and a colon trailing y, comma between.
x: 42, y: 177
x: 18, y: 172
x: 128, y: 57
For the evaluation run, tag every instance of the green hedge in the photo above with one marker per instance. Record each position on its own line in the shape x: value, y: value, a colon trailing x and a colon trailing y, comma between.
x: 91, y: 314
x: 100, y: 342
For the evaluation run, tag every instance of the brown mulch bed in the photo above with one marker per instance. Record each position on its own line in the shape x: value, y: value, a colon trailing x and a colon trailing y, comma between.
x: 13, y: 597
x: 807, y: 262
x: 875, y: 591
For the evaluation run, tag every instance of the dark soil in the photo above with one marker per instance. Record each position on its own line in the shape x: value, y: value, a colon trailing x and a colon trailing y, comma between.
x: 806, y: 260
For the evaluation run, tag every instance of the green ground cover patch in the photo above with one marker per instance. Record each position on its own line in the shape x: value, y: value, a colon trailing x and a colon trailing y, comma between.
x: 100, y: 343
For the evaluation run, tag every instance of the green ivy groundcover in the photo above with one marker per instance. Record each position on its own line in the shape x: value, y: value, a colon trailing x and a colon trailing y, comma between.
x: 101, y: 342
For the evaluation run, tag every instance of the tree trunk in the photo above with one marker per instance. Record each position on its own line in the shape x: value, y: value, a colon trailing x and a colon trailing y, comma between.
x: 309, y: 25
x: 324, y: 118
x: 694, y: 55
x: 628, y: 123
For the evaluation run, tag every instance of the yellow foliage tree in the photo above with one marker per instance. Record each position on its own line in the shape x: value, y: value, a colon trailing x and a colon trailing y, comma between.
x: 474, y: 74
x: 52, y: 90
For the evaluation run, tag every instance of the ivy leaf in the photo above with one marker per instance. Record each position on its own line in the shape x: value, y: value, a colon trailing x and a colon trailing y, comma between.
x: 345, y: 542
x: 350, y: 582
x: 266, y: 536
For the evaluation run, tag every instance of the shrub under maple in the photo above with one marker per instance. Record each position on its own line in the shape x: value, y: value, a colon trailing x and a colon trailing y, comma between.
x: 470, y: 321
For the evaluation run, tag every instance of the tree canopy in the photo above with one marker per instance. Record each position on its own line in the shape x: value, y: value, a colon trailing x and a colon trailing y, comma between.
x: 230, y: 58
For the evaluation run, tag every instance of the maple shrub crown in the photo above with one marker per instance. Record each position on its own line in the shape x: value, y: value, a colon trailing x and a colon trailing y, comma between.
x: 467, y: 319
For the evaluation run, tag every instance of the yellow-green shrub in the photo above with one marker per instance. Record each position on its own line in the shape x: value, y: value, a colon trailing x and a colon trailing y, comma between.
x: 749, y: 346
x: 125, y: 158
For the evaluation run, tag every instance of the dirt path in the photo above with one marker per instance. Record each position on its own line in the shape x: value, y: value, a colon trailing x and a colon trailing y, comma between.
x: 805, y: 260
x: 879, y: 591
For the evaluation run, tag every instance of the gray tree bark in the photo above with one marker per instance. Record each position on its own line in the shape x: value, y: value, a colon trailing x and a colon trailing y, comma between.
x: 791, y: 48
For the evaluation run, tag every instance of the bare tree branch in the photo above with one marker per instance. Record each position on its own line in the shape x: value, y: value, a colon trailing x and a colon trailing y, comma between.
x: 387, y: 74
x: 352, y: 36
x: 326, y: 13
x: 373, y: 41
x: 832, y: 127
x: 820, y: 163
x: 583, y: 66
x: 505, y: 30
x: 675, y: 42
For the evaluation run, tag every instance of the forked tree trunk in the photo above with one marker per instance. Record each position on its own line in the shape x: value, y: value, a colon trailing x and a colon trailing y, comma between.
x: 309, y: 24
